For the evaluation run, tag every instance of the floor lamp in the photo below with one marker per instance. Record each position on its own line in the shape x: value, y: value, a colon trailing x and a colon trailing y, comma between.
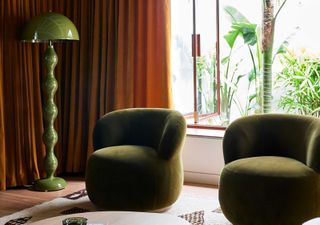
x: 49, y: 28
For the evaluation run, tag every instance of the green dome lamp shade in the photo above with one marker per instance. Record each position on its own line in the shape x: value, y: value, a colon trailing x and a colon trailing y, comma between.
x: 49, y: 28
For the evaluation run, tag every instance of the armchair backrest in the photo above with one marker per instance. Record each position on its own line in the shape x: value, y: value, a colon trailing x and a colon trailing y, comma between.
x: 161, y: 129
x: 293, y: 136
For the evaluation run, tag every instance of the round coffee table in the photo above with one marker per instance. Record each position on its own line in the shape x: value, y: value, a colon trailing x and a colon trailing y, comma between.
x: 119, y: 218
x: 315, y: 221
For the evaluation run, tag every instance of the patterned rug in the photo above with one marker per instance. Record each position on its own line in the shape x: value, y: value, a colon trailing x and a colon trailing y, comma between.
x: 197, y: 211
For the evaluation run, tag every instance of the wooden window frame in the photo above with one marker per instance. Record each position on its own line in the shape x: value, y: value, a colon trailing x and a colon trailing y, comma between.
x: 195, y: 53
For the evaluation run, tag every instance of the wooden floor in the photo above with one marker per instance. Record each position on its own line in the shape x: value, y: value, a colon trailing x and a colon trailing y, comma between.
x: 13, y: 200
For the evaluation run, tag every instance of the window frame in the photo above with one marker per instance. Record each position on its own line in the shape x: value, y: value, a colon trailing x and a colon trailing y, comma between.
x: 195, y: 53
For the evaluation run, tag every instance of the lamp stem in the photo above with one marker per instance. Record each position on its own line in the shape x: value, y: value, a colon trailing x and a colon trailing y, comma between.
x: 50, y: 111
x: 50, y: 136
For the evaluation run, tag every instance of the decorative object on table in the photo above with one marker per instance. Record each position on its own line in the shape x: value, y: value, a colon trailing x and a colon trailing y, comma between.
x: 272, y: 170
x: 75, y: 221
x: 49, y: 28
x: 137, y: 163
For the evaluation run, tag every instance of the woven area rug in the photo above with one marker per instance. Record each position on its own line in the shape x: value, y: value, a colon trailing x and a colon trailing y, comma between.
x: 196, y: 210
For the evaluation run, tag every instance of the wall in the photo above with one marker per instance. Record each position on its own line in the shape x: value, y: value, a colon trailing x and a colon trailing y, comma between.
x: 203, y: 159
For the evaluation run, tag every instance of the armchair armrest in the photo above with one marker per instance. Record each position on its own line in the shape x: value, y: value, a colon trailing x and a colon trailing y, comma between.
x: 173, y: 136
x: 313, y: 148
x: 238, y: 142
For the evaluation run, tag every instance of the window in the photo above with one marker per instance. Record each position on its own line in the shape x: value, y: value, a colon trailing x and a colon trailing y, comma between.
x: 194, y: 56
x: 217, y: 59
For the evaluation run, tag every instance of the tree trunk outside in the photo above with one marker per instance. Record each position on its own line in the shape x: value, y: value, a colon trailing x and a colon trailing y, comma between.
x: 267, y: 48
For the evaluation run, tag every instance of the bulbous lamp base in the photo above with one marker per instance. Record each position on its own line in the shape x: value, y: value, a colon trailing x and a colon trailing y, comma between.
x: 49, y: 184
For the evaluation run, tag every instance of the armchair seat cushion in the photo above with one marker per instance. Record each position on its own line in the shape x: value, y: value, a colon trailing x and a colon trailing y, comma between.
x: 260, y: 185
x: 132, y: 177
x: 263, y: 167
x: 126, y: 153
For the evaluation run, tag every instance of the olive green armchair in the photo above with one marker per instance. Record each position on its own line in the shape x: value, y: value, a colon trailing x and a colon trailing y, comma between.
x: 137, y: 161
x: 271, y: 176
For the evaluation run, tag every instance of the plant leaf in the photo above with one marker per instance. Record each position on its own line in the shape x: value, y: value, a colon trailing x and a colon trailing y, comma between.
x: 251, y: 97
x: 235, y: 15
x: 251, y: 75
x: 231, y: 37
x: 283, y: 47
x: 248, y: 32
x: 225, y: 60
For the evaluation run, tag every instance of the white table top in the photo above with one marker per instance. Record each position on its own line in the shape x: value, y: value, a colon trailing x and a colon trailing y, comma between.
x: 119, y: 218
x: 315, y: 221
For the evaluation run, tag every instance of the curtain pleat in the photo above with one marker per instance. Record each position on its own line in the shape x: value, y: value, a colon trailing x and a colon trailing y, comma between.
x: 143, y: 54
x: 122, y: 60
x: 21, y: 103
x: 2, y: 120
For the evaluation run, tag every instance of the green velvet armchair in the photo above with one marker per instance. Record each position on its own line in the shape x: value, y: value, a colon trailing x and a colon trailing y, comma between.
x: 271, y: 176
x: 137, y: 161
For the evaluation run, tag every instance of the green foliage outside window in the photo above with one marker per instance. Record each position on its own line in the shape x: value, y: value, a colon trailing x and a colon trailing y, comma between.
x: 242, y: 28
x: 206, y: 73
x: 300, y: 77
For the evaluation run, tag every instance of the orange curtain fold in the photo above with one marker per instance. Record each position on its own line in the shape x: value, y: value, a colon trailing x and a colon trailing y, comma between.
x: 143, y: 54
x: 2, y: 120
x: 122, y: 60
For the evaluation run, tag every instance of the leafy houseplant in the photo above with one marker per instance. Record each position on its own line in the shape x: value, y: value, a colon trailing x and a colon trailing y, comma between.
x: 301, y: 79
x: 262, y: 59
x: 240, y: 28
x: 207, y: 94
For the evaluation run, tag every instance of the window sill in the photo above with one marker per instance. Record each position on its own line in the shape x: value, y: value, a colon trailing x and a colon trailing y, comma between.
x: 198, y: 132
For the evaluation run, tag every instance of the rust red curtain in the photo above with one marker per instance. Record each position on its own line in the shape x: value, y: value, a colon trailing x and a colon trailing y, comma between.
x: 122, y: 60
x: 143, y: 54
